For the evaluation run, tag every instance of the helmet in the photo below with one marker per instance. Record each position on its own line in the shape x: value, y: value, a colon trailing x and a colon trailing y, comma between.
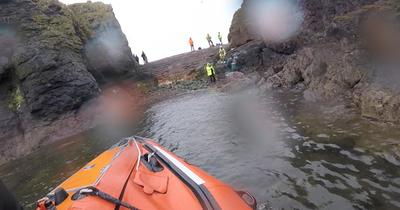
x: 208, y: 64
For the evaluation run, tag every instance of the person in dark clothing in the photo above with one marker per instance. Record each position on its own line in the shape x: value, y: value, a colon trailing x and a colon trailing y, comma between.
x: 229, y: 64
x: 234, y: 65
x: 136, y: 58
x: 7, y: 200
x: 144, y: 57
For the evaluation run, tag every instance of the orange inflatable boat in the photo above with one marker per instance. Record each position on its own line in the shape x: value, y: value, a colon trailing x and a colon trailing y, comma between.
x: 137, y: 173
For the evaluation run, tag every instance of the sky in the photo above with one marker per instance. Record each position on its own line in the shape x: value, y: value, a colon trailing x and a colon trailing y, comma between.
x: 161, y: 28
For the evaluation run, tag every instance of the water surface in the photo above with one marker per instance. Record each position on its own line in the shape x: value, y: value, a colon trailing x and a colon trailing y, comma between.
x: 274, y: 145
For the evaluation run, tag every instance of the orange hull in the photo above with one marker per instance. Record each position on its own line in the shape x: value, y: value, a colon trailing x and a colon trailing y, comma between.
x: 138, y: 174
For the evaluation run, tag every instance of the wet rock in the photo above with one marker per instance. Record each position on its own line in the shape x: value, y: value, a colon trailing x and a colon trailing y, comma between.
x: 301, y: 86
x: 378, y: 103
x: 250, y: 55
x: 347, y: 143
x: 234, y: 76
x: 287, y: 47
x: 255, y: 77
x: 309, y: 95
x: 261, y: 82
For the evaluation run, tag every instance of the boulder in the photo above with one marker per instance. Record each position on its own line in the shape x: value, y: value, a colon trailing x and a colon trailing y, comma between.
x: 347, y: 143
x: 287, y: 47
x: 309, y: 95
x: 250, y: 54
x: 235, y: 76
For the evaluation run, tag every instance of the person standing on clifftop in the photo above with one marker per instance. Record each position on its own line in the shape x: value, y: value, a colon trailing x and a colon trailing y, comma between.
x: 144, y: 57
x: 191, y: 44
x: 220, y: 38
x: 210, y: 72
x: 208, y: 37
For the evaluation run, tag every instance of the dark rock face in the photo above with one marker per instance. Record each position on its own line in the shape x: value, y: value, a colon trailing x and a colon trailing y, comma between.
x: 240, y: 31
x: 339, y: 52
x: 317, y: 16
x: 53, y: 58
x: 105, y: 46
x: 5, y: 1
x: 45, y: 58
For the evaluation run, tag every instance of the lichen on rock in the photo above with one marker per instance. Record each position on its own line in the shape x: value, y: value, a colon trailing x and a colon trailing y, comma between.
x: 16, y: 99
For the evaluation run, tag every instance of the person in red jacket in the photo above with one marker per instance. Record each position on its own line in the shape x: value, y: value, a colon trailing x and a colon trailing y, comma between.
x: 191, y: 44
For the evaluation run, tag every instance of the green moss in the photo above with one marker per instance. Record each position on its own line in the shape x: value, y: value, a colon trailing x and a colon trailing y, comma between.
x: 91, y: 18
x: 41, y: 19
x: 16, y: 100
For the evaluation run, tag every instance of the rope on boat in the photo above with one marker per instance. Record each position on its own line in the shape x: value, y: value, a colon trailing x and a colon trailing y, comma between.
x: 140, y: 154
x: 96, y: 192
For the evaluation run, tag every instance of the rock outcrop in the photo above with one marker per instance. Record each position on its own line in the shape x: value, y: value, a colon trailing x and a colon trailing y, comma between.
x: 338, y: 52
x: 53, y: 58
x: 105, y: 46
x: 185, y: 66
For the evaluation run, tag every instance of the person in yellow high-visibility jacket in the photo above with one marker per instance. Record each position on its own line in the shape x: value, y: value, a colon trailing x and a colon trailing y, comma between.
x: 210, y: 72
x: 222, y: 54
x: 210, y: 42
x: 220, y: 38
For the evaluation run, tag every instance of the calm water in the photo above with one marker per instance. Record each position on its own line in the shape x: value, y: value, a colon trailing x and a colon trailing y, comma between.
x: 268, y: 144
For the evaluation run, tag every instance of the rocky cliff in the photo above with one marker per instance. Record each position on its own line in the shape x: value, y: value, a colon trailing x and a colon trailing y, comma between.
x: 342, y: 51
x: 53, y: 59
x: 185, y: 66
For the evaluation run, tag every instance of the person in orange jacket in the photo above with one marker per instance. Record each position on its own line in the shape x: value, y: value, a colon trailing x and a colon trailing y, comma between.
x: 191, y: 44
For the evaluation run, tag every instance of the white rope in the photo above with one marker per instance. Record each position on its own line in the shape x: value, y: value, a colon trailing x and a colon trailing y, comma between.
x: 138, y: 161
